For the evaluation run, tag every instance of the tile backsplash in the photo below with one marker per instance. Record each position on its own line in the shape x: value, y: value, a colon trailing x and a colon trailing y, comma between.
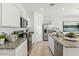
x: 9, y: 30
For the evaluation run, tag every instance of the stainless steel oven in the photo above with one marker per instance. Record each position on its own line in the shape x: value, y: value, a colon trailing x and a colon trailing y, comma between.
x: 29, y: 41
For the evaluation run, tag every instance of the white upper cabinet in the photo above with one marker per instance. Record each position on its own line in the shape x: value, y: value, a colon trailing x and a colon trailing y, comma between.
x: 0, y: 14
x: 10, y: 15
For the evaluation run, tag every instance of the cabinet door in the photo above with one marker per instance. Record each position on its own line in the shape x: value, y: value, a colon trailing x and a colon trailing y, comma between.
x: 58, y: 49
x: 51, y: 43
x: 70, y: 51
x: 7, y: 52
x: 22, y: 49
x: 10, y: 15
x: 0, y: 14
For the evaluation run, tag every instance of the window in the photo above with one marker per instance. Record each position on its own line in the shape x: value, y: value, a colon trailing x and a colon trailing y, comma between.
x: 71, y: 26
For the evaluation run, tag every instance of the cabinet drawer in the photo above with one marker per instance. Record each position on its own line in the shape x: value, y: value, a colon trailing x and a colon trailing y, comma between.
x: 6, y: 52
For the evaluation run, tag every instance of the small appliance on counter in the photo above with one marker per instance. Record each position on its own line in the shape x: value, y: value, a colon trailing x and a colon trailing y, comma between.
x: 20, y: 34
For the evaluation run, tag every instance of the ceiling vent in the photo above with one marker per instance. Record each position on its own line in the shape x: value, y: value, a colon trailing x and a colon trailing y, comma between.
x: 52, y: 4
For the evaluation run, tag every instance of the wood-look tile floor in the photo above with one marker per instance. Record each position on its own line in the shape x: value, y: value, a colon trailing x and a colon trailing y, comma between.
x: 41, y: 49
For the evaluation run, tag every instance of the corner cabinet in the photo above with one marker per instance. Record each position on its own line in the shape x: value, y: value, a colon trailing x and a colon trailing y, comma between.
x: 10, y: 15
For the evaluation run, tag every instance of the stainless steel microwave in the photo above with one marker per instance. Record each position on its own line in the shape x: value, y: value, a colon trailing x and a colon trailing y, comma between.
x: 23, y: 22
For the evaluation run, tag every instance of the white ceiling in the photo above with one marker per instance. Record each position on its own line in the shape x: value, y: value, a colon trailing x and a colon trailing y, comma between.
x: 55, y: 10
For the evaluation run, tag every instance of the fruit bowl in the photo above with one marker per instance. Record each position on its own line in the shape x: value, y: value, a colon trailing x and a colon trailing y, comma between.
x: 71, y: 36
x: 71, y: 39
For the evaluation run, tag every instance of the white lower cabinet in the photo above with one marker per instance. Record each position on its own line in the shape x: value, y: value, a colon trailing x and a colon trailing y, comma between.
x: 21, y: 50
x: 58, y: 48
x: 7, y: 52
x: 51, y: 43
x: 55, y: 47
x: 70, y: 51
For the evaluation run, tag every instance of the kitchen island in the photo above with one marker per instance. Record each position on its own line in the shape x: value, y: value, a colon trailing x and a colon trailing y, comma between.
x: 15, y: 48
x: 62, y: 47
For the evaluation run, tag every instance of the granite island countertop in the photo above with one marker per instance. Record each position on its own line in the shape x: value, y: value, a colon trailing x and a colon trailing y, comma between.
x: 64, y: 42
x: 12, y: 45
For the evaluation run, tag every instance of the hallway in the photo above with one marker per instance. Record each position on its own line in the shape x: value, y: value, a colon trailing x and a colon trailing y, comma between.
x: 41, y: 49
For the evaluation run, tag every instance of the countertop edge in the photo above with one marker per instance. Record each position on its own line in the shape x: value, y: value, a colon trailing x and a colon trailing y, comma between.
x: 16, y: 45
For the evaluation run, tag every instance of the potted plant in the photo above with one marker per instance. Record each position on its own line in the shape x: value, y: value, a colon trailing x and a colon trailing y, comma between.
x: 2, y: 38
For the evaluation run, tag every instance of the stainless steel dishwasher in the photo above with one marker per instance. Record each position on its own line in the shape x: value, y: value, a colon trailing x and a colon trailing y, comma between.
x: 29, y: 44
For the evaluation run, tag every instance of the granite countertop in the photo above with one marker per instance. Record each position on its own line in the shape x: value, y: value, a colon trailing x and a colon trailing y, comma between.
x: 12, y: 45
x: 65, y: 43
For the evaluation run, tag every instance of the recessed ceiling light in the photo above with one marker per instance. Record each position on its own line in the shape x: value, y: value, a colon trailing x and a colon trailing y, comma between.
x: 62, y: 9
x: 41, y: 9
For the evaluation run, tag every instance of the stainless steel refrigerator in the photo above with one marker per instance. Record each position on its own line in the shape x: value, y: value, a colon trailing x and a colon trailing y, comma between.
x: 45, y: 32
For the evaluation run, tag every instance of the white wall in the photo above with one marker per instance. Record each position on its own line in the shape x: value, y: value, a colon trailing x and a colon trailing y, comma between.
x: 38, y: 21
x: 8, y: 30
x: 47, y: 20
x: 58, y: 21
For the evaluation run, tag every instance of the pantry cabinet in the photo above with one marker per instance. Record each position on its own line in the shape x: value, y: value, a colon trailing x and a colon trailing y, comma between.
x: 10, y: 15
